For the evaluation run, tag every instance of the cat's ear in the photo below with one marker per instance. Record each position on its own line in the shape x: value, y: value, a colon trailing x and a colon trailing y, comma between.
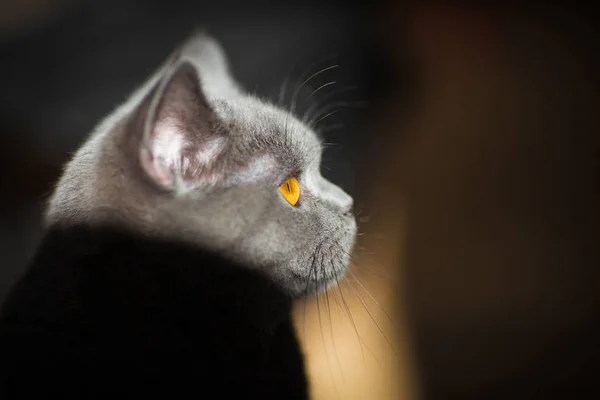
x: 207, y: 55
x: 181, y: 137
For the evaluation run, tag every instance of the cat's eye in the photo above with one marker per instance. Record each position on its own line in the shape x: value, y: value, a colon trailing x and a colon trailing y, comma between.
x: 290, y: 190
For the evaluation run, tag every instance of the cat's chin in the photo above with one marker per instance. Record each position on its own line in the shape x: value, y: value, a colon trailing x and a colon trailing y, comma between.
x: 303, y: 285
x: 323, y: 285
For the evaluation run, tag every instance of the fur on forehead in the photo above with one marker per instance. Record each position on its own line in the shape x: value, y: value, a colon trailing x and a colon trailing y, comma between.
x: 260, y: 126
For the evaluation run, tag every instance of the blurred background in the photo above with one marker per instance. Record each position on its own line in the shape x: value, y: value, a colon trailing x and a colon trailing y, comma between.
x: 468, y: 136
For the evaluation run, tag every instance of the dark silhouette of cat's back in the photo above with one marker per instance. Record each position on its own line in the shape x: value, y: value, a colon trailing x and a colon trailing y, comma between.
x: 105, y: 311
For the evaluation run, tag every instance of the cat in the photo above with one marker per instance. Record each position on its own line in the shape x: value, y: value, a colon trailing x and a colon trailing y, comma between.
x: 176, y: 239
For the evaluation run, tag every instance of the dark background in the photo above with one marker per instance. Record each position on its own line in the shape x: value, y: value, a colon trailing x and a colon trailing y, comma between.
x: 485, y: 120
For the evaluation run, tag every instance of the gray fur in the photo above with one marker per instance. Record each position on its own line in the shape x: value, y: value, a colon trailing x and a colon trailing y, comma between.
x: 207, y: 171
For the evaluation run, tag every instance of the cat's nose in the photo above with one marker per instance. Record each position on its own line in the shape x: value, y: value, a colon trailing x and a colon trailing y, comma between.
x: 338, y: 198
x: 349, y: 210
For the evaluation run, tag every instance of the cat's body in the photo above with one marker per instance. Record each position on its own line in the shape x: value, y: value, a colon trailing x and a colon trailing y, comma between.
x: 104, y: 312
x: 177, y: 237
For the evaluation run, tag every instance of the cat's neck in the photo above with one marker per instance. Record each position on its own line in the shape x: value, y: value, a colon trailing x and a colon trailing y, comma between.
x: 167, y: 271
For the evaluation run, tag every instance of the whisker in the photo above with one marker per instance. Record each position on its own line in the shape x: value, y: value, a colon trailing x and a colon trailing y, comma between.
x: 310, y: 120
x: 327, y: 145
x: 358, y: 335
x: 335, y: 352
x: 362, y: 266
x: 372, y: 298
x: 366, y: 307
x: 282, y: 90
x: 296, y: 65
x: 321, y: 329
x: 287, y: 115
x: 294, y: 97
x: 324, y: 100
x: 339, y: 307
x: 322, y: 118
x: 332, y: 336
x: 319, y: 88
x: 348, y: 311
x: 330, y: 128
x: 331, y: 320
x: 374, y: 272
x: 306, y: 291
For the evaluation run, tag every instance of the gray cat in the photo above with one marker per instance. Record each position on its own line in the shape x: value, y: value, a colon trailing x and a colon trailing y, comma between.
x: 201, y: 203
x: 208, y: 172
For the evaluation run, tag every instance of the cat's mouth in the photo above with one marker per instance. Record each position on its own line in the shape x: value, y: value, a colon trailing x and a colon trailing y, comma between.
x: 325, y: 269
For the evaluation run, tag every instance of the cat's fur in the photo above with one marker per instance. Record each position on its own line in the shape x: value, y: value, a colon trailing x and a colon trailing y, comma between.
x: 170, y: 251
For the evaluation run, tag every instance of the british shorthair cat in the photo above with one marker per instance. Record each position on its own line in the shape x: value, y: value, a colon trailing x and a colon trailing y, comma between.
x: 176, y: 239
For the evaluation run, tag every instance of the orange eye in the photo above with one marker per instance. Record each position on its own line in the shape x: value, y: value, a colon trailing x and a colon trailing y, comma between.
x: 290, y: 190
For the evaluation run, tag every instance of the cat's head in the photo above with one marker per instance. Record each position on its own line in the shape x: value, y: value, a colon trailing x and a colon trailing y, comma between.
x: 191, y: 156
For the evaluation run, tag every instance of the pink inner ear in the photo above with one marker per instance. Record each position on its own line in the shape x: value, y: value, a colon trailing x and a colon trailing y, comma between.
x: 157, y: 170
x: 163, y: 160
x: 169, y: 155
x: 168, y: 143
x: 182, y: 144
